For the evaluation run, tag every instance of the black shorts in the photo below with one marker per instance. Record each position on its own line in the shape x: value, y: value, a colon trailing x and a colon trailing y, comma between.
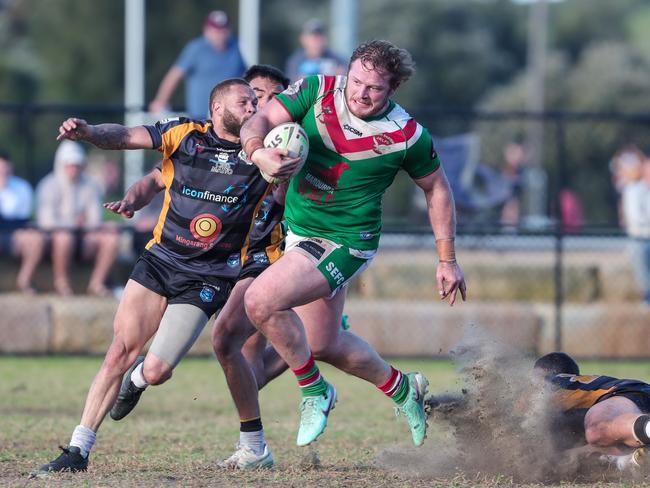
x: 205, y: 292
x: 254, y: 264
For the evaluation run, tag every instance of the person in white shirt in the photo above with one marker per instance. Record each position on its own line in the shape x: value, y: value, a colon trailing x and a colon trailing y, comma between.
x: 16, y: 237
x: 636, y: 212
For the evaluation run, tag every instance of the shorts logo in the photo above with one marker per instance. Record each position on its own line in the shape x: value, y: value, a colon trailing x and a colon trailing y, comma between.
x: 261, y: 258
x: 366, y: 236
x: 312, y: 248
x: 205, y: 227
x: 233, y: 260
x: 207, y: 294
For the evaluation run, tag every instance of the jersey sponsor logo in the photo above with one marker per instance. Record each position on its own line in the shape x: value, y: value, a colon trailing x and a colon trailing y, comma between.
x: 319, y: 184
x: 293, y: 89
x: 381, y: 143
x: 312, y: 248
x: 325, y: 110
x: 169, y: 119
x: 335, y: 273
x: 261, y: 258
x: 354, y: 130
x: 222, y: 157
x: 224, y: 168
x: 233, y: 260
x: 207, y: 294
x: 205, y: 227
x: 207, y: 195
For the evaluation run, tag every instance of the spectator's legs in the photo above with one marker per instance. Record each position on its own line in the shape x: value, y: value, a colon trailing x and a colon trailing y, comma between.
x: 104, y: 245
x: 28, y: 244
x: 640, y: 254
x: 62, y: 248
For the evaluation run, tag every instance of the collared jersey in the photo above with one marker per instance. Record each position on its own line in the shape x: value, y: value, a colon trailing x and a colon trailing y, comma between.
x: 211, y: 199
x: 572, y: 392
x: 351, y: 162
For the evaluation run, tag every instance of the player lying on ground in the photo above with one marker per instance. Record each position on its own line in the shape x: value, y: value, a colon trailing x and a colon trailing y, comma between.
x: 359, y: 140
x: 610, y: 414
x: 588, y: 414
x: 194, y: 258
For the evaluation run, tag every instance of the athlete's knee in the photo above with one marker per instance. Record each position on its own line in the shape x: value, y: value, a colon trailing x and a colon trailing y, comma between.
x: 156, y: 372
x: 258, y: 307
x: 119, y: 357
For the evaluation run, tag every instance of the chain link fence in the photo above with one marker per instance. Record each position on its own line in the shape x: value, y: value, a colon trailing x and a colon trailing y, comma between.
x: 540, y: 233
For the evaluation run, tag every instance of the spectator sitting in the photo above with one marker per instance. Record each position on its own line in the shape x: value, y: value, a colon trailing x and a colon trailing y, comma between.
x: 204, y: 62
x: 16, y: 237
x: 314, y: 57
x: 69, y: 207
x: 636, y: 211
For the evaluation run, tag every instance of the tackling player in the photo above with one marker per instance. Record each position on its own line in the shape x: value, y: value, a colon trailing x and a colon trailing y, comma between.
x: 193, y: 260
x: 359, y: 140
x: 609, y: 414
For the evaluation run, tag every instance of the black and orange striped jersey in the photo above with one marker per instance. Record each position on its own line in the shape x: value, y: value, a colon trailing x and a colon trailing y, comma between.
x: 212, y: 197
x: 572, y: 392
x: 267, y: 235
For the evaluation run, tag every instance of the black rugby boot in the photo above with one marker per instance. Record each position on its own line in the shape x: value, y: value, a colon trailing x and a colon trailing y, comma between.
x: 70, y: 460
x: 129, y: 394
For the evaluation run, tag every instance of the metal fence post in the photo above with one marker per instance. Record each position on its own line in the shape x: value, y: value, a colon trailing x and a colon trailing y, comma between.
x: 561, y: 180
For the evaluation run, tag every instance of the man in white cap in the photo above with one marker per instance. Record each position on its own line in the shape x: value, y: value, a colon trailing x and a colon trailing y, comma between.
x: 69, y: 207
x: 204, y: 62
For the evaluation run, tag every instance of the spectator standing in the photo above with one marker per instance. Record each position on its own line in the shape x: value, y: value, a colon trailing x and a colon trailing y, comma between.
x: 636, y: 212
x: 69, y: 207
x: 515, y: 160
x: 314, y: 57
x: 16, y: 237
x: 203, y: 63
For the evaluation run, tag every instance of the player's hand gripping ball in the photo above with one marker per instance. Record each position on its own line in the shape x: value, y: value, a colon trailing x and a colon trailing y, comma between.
x: 292, y: 137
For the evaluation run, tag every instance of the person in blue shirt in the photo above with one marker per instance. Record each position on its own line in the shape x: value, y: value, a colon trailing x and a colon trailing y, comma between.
x: 203, y: 63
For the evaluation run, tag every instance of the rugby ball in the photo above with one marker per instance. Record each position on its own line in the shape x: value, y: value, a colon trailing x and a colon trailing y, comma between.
x: 292, y: 137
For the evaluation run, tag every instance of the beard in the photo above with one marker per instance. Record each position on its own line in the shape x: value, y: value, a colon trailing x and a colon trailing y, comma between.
x: 231, y: 123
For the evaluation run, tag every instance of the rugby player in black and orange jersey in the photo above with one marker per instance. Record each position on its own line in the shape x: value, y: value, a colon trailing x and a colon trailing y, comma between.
x: 193, y: 260
x: 608, y: 415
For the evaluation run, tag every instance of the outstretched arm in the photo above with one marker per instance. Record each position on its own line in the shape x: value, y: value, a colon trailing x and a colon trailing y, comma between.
x: 138, y: 195
x: 442, y: 216
x: 105, y: 136
x: 272, y: 161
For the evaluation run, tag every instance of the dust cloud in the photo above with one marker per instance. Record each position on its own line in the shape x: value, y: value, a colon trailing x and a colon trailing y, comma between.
x: 498, y: 424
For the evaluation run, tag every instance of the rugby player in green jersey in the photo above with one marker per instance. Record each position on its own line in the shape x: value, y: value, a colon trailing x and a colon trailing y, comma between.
x: 359, y: 139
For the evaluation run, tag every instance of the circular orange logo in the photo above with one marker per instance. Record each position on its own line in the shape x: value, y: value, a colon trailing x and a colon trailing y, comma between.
x: 205, y: 227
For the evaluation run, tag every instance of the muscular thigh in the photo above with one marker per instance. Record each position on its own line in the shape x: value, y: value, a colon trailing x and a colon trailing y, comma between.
x: 291, y: 281
x: 322, y: 319
x: 232, y: 317
x: 139, y: 313
x: 610, y: 409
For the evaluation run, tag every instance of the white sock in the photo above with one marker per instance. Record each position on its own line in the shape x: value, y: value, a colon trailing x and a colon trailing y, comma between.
x: 84, y: 439
x: 138, y: 378
x: 254, y: 440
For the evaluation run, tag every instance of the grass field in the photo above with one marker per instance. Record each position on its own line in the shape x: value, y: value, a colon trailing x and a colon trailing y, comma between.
x: 181, y: 428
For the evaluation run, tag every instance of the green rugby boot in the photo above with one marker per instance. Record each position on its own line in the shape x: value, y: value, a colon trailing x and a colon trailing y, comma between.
x: 413, y: 407
x: 314, y: 411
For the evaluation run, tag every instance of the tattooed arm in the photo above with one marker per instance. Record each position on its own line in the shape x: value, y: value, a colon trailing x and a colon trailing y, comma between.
x: 105, y: 136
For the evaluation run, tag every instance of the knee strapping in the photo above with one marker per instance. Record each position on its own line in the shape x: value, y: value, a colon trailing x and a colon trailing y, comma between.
x: 179, y: 328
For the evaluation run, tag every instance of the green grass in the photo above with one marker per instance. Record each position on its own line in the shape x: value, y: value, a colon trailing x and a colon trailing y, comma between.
x: 181, y: 428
